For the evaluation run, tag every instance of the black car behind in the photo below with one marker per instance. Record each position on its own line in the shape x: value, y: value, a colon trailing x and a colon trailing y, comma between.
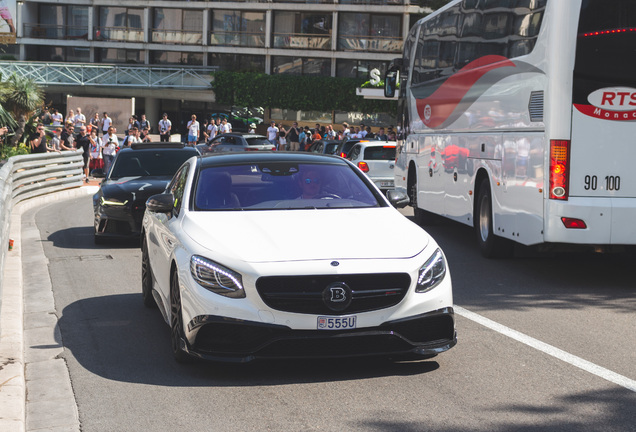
x: 137, y: 173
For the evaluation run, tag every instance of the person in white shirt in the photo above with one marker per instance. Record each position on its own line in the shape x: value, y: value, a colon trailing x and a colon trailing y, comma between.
x: 226, y: 127
x: 272, y: 133
x: 80, y: 119
x: 165, y: 126
x: 110, y: 144
x: 106, y: 123
x: 193, y: 131
x: 57, y: 118
x: 212, y: 130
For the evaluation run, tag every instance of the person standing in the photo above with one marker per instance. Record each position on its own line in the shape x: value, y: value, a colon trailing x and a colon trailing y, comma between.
x: 94, y: 122
x: 110, y: 144
x: 80, y: 119
x: 37, y: 141
x: 56, y: 142
x: 106, y: 123
x: 84, y: 144
x: 96, y: 160
x: 165, y: 126
x: 272, y: 133
x: 56, y: 118
x: 293, y: 137
x: 212, y: 130
x: 193, y: 131
x: 226, y: 126
x: 144, y: 123
x: 70, y: 118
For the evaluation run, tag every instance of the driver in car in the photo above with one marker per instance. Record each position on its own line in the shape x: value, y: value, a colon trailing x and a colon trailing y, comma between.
x: 311, y: 183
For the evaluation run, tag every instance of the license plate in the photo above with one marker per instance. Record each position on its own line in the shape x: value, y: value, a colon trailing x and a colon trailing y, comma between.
x: 386, y: 184
x: 336, y: 323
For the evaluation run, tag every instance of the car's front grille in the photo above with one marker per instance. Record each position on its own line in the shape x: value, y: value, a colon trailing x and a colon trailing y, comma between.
x: 307, y: 294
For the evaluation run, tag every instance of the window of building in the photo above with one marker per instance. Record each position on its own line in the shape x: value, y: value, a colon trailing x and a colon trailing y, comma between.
x: 301, y: 66
x: 176, y: 58
x: 117, y: 55
x: 237, y: 62
x: 178, y: 26
x: 59, y: 22
x: 369, y: 32
x: 57, y: 54
x: 238, y: 28
x: 359, y: 68
x: 302, y: 30
x: 120, y: 24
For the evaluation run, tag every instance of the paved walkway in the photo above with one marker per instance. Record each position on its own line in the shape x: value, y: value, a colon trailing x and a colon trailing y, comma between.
x: 35, y: 387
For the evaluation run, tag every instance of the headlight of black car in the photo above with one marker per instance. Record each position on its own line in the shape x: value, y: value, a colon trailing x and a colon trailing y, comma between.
x: 431, y: 273
x: 115, y: 202
x: 216, y: 278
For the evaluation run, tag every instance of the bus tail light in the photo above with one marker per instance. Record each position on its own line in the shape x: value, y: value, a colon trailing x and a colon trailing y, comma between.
x: 573, y: 223
x: 364, y: 167
x: 559, y: 169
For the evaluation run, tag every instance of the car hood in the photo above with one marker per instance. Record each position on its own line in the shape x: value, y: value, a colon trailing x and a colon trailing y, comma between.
x: 298, y: 235
x: 137, y: 187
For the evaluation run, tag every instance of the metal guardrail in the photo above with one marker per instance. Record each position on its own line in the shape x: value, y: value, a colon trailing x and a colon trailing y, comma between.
x: 24, y: 177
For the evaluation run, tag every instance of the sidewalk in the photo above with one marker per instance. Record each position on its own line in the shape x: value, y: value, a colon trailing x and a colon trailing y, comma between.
x: 35, y: 387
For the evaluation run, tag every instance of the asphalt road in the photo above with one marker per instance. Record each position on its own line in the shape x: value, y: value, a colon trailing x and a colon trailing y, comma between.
x: 546, y: 342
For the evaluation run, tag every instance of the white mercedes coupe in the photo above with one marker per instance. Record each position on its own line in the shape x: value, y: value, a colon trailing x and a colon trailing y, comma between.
x: 245, y: 257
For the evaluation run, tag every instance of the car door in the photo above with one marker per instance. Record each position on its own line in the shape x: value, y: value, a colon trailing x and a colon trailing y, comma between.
x: 219, y: 144
x: 162, y: 236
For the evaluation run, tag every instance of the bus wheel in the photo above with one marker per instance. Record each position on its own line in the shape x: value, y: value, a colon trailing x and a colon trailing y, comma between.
x: 491, y: 245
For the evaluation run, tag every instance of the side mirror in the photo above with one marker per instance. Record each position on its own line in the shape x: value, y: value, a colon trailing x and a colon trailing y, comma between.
x: 160, y: 203
x: 98, y: 173
x: 398, y: 199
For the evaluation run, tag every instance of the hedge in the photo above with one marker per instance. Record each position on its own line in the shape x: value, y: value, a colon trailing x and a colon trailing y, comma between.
x: 294, y: 92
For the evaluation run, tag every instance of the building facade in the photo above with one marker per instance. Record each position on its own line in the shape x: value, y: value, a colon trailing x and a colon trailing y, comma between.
x: 338, y: 38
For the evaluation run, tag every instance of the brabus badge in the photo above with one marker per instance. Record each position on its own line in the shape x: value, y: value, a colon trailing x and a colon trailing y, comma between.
x: 337, y: 296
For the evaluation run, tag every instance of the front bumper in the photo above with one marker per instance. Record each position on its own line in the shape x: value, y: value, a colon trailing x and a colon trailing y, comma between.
x: 233, y: 340
x: 119, y: 221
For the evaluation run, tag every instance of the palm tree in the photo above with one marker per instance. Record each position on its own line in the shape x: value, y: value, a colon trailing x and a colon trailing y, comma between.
x: 23, y: 98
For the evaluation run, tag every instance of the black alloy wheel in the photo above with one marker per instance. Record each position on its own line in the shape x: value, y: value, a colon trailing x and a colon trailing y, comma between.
x: 146, y: 278
x: 176, y: 321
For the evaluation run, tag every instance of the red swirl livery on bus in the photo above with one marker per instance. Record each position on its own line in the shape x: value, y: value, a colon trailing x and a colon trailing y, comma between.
x: 518, y: 118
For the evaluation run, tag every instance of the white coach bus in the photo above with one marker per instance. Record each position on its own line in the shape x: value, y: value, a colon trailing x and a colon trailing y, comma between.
x: 518, y: 117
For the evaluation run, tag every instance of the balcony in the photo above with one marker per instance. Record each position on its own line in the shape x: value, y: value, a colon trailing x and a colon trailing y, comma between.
x: 50, y: 31
x: 297, y: 40
x: 122, y: 34
x: 370, y: 43
x: 177, y: 37
x: 242, y: 39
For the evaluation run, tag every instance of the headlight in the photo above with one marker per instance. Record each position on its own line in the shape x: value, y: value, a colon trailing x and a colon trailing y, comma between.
x: 216, y: 278
x: 431, y: 273
x: 113, y: 202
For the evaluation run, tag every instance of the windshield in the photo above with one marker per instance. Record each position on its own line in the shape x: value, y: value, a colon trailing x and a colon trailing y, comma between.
x: 280, y: 186
x: 149, y: 163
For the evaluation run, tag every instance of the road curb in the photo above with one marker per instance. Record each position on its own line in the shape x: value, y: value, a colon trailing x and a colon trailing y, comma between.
x: 26, y: 372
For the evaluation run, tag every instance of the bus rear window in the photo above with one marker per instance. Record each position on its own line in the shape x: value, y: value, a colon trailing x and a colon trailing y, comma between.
x: 606, y: 45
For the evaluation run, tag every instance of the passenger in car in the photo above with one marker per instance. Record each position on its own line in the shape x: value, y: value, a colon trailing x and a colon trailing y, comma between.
x: 215, y: 192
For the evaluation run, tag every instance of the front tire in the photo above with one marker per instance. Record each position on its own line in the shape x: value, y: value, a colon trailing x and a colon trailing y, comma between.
x: 176, y: 321
x: 491, y: 245
x: 146, y: 278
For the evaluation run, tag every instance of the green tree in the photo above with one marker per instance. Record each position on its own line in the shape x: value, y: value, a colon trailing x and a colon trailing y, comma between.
x: 23, y: 98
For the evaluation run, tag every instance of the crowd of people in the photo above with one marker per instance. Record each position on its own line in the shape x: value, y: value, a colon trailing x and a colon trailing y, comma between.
x: 96, y: 137
x: 297, y: 138
x: 98, y: 140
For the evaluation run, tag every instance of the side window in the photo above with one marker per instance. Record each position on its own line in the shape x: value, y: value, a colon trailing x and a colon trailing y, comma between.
x: 177, y: 187
x: 355, y: 152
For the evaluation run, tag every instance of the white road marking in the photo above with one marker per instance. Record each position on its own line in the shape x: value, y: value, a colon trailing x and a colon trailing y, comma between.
x: 587, y: 366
